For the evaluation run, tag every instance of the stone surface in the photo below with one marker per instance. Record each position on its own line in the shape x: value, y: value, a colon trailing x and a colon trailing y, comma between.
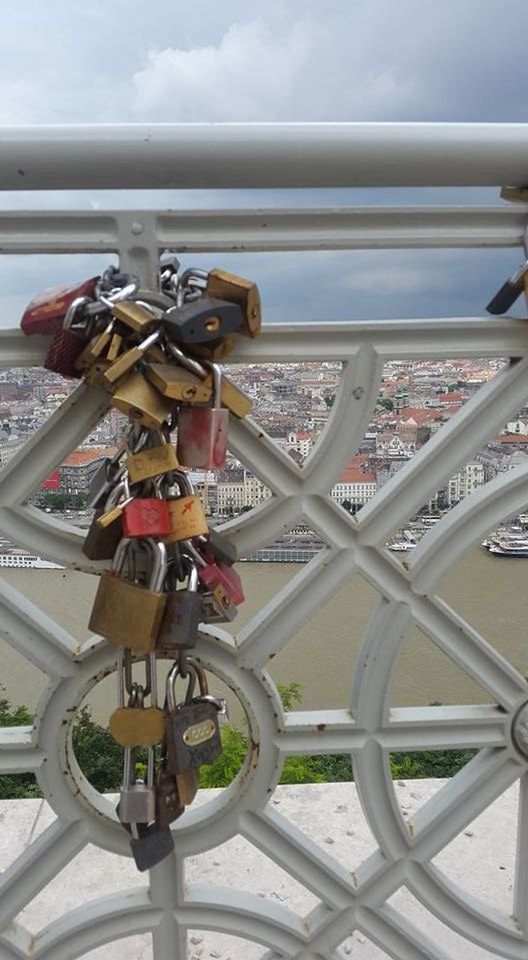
x: 480, y: 860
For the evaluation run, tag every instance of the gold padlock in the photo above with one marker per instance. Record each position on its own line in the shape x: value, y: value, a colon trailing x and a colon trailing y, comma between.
x: 186, y: 512
x: 124, y: 364
x: 178, y: 383
x: 137, y: 316
x: 227, y: 286
x: 142, y: 403
x: 151, y: 462
x: 214, y: 351
x: 232, y: 397
x: 126, y: 613
x: 115, y: 347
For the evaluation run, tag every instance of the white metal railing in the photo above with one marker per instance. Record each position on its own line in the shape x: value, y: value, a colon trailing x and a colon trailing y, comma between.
x: 297, y: 155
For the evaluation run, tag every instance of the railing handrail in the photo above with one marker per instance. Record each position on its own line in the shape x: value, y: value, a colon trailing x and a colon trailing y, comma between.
x: 255, y: 155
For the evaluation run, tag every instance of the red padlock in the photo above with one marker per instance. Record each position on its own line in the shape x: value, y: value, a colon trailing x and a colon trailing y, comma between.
x: 45, y: 314
x: 214, y: 574
x: 202, y: 431
x: 146, y: 517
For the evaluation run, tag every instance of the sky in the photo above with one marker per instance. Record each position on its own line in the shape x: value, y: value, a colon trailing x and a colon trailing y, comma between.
x: 346, y: 60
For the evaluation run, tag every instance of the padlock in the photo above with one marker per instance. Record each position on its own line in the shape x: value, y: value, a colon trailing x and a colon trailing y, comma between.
x: 95, y: 349
x: 141, y: 402
x: 146, y: 517
x: 106, y: 528
x: 177, y: 383
x: 101, y: 542
x: 217, y: 607
x: 186, y: 512
x: 45, y: 313
x: 192, y: 731
x: 212, y: 574
x: 135, y: 725
x: 124, y: 364
x: 237, y: 402
x: 202, y: 431
x: 151, y: 845
x: 181, y: 618
x: 215, y: 351
x: 227, y: 286
x: 232, y: 397
x: 220, y: 546
x: 187, y: 783
x: 114, y: 348
x: 104, y: 479
x: 126, y: 613
x: 201, y: 321
x: 169, y: 266
x: 169, y: 805
x: 147, y: 462
x: 137, y: 802
x: 137, y: 316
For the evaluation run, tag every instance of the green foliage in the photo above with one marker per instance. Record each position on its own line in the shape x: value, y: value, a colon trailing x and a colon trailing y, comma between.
x: 98, y: 755
x: 333, y: 767
x: 330, y: 401
x: 424, y: 764
x: 290, y: 693
x: 14, y: 716
x: 386, y: 402
x: 222, y: 771
x: 16, y: 786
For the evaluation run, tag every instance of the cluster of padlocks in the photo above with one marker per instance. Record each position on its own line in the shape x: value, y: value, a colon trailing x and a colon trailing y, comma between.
x: 156, y: 354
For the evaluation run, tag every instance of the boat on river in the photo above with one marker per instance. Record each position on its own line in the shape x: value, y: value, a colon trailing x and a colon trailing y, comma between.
x: 508, y: 548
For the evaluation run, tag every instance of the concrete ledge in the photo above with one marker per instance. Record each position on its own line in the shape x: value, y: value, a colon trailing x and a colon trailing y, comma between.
x: 481, y: 860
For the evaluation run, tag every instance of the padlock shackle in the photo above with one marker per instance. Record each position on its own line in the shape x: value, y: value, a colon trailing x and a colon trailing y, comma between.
x: 200, y: 673
x: 188, y: 363
x: 174, y: 673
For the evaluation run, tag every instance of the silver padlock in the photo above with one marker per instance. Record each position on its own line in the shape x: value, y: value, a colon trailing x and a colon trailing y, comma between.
x: 137, y: 802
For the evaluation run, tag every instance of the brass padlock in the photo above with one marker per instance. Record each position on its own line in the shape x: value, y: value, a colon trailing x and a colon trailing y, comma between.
x: 141, y: 402
x: 232, y: 397
x: 138, y: 316
x: 216, y: 351
x: 125, y: 363
x: 227, y: 286
x: 125, y: 612
x: 186, y: 512
x: 149, y: 462
x: 178, y: 383
x: 115, y: 347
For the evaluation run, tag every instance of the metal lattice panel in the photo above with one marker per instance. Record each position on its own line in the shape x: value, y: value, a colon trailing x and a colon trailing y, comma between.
x: 369, y: 730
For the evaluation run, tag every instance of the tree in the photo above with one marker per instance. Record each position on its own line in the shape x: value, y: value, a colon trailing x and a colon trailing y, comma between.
x: 386, y: 402
x: 347, y: 505
x: 330, y: 400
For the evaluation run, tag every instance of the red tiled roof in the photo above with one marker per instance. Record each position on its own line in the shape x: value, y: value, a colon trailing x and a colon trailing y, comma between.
x: 420, y: 415
x: 354, y: 475
x: 79, y: 457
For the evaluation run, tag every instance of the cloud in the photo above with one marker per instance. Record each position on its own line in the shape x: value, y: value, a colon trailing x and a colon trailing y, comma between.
x: 404, y: 61
x: 251, y: 73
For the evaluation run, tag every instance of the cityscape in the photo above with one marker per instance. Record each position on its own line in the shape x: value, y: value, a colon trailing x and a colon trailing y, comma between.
x: 292, y: 403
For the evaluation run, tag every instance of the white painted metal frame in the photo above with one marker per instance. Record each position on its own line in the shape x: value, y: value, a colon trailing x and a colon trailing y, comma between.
x: 370, y: 729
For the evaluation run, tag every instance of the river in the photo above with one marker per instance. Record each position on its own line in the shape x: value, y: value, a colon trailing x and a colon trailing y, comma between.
x: 489, y: 592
